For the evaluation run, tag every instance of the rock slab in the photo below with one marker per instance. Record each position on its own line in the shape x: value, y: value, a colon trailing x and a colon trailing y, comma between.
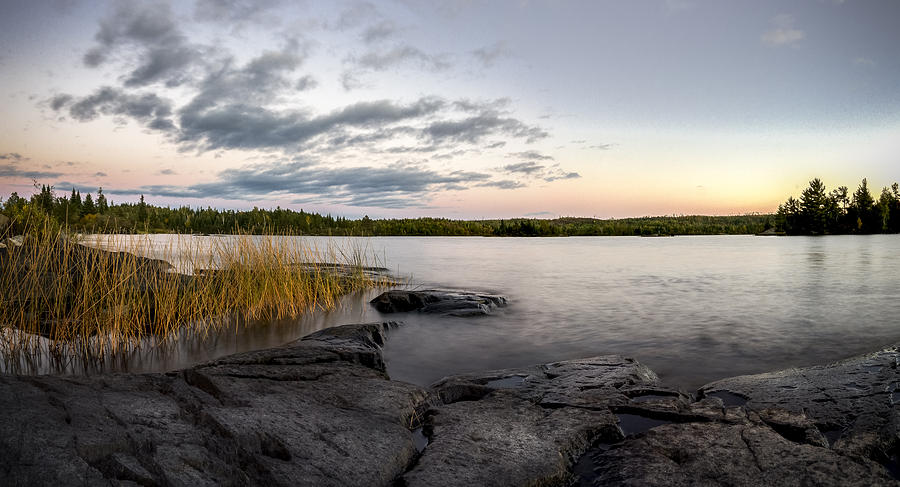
x: 440, y: 301
x: 320, y: 411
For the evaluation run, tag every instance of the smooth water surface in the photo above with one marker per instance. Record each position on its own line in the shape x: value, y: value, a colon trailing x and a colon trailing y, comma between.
x: 694, y: 309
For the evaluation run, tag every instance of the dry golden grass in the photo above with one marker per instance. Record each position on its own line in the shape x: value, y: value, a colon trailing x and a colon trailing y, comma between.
x: 62, y: 299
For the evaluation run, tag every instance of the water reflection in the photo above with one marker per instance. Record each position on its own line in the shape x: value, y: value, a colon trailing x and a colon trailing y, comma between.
x: 694, y: 309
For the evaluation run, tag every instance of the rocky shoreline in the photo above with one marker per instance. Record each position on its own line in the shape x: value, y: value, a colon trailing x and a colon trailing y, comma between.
x: 322, y: 411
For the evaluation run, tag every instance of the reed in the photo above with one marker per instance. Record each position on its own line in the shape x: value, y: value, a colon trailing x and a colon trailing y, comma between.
x: 66, y: 300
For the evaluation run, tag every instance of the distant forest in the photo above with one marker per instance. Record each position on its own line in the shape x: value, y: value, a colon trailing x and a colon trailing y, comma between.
x: 820, y: 212
x: 89, y: 213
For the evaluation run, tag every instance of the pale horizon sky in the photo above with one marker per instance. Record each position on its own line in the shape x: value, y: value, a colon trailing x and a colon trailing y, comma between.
x: 451, y: 108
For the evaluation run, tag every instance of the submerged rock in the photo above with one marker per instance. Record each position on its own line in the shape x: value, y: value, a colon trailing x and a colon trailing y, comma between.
x: 442, y: 301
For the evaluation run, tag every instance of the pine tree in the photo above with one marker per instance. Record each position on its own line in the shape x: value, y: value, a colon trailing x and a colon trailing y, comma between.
x: 102, y: 206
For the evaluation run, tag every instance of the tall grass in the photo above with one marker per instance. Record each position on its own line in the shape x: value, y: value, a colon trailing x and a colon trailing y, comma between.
x: 67, y: 301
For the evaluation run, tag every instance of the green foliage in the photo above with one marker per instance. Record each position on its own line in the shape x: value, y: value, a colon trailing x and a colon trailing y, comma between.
x: 100, y: 216
x: 819, y: 212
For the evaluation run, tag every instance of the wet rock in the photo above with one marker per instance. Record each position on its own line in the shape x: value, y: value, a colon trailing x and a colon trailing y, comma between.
x: 726, y: 454
x: 523, y: 426
x: 440, y: 301
x: 319, y: 411
x: 853, y: 403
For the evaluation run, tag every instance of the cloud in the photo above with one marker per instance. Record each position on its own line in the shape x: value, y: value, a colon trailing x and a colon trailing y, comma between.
x: 532, y: 155
x: 350, y: 81
x: 398, y: 185
x: 100, y: 174
x: 540, y: 213
x: 561, y: 175
x: 495, y: 145
x: 259, y: 81
x: 11, y: 169
x: 528, y: 168
x: 383, y: 60
x: 162, y: 50
x: 60, y: 101
x: 379, y: 32
x: 601, y: 146
x: 473, y: 129
x: 306, y: 83
x: 242, y: 126
x: 148, y: 109
x: 864, y: 61
x: 489, y: 55
x: 501, y: 184
x: 167, y: 172
x: 12, y: 156
x: 783, y: 32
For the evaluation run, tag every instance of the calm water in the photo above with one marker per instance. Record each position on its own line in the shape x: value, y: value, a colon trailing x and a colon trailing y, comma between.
x: 694, y: 309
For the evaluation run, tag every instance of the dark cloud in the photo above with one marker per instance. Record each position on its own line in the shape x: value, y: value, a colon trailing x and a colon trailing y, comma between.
x: 540, y: 213
x: 489, y: 55
x: 601, y: 146
x: 531, y: 155
x: 12, y: 156
x: 532, y: 169
x: 167, y: 172
x: 148, y: 109
x: 473, y: 129
x: 244, y: 126
x: 524, y: 168
x: 259, y: 81
x: 13, y: 171
x: 561, y: 175
x: 394, y: 186
x: 163, y: 51
x: 495, y: 145
x: 305, y: 83
x: 100, y: 174
x: 60, y: 101
x: 378, y: 32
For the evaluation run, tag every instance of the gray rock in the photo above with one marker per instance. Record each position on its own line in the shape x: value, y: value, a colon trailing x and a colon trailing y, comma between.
x: 726, y: 454
x: 852, y: 402
x: 523, y: 426
x: 320, y: 411
x: 442, y: 301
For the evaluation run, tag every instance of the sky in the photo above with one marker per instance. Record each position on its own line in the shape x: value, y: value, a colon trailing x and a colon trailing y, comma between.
x: 451, y: 108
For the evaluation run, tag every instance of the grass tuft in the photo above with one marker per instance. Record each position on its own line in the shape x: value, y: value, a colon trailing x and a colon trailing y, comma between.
x: 96, y: 302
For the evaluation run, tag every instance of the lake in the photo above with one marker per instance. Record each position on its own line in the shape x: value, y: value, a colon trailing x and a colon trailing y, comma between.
x: 694, y: 309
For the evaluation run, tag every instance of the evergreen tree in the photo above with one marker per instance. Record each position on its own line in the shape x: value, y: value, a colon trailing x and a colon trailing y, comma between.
x: 102, y: 205
x: 813, y: 207
x: 87, y: 207
x: 867, y: 219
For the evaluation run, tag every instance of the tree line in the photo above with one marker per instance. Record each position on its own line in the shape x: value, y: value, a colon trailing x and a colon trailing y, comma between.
x: 96, y: 213
x: 822, y: 212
